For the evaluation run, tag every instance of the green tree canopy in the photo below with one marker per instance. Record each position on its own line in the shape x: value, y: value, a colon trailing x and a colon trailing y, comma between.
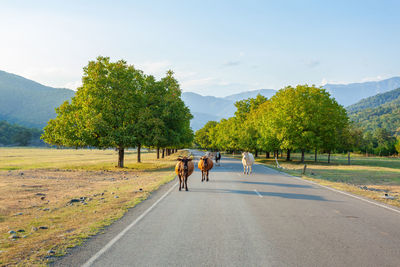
x: 119, y: 107
x: 203, y: 136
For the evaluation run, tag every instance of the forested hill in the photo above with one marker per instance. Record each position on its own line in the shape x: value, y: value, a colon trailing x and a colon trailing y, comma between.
x: 28, y: 103
x: 374, y: 101
x: 380, y: 111
x: 12, y: 134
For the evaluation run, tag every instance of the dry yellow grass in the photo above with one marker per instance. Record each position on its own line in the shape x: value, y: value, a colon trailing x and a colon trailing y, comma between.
x: 92, y: 159
x: 41, y: 198
x: 377, y: 196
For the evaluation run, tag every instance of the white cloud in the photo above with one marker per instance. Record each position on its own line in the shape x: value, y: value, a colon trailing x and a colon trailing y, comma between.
x: 374, y: 79
x: 73, y: 85
x: 52, y: 76
x: 232, y: 63
x: 198, y: 82
x: 313, y: 63
x: 183, y: 74
x: 363, y: 80
x: 158, y: 68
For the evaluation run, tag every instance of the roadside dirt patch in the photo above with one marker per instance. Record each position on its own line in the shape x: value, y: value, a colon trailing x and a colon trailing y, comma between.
x: 43, y: 212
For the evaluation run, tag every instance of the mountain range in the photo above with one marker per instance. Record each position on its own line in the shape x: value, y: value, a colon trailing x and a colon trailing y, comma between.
x: 348, y: 94
x: 206, y: 108
x: 31, y: 104
x: 28, y: 103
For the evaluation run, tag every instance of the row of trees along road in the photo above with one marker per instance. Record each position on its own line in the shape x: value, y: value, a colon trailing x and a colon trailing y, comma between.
x: 303, y: 118
x: 120, y: 107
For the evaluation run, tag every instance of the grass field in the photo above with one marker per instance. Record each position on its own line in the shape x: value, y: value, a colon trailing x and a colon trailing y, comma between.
x: 88, y: 159
x: 37, y: 186
x: 371, y: 177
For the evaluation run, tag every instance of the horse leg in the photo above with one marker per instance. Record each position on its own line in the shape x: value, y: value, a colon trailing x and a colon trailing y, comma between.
x: 180, y: 182
x: 202, y: 175
x: 244, y: 169
x: 207, y: 175
x: 186, y: 188
x: 251, y: 168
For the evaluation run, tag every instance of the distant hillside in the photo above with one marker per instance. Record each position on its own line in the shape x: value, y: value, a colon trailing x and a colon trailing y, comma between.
x: 200, y: 119
x: 374, y: 101
x: 348, y: 94
x: 380, y: 111
x: 212, y: 105
x: 29, y: 103
x: 207, y: 108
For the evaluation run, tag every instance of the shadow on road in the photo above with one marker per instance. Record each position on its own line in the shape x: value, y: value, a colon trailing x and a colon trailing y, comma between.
x: 266, y: 194
x: 263, y: 183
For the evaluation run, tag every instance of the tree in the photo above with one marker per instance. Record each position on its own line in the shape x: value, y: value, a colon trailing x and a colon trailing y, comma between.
x: 306, y: 117
x: 202, y: 136
x: 245, y: 117
x: 267, y: 141
x: 176, y: 115
x: 397, y: 145
x: 385, y: 142
x: 13, y: 134
x: 105, y: 111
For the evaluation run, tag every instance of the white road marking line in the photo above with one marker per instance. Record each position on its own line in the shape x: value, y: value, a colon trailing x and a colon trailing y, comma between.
x: 338, y: 191
x: 258, y: 193
x: 350, y: 195
x: 123, y: 232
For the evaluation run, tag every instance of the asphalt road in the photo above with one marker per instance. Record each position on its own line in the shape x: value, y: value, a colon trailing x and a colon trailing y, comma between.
x: 263, y: 219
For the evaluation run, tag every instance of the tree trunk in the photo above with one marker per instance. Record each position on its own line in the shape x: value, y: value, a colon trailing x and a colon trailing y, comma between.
x: 138, y: 153
x: 288, y: 155
x: 163, y: 153
x: 302, y: 156
x: 158, y: 153
x: 329, y: 157
x: 267, y: 155
x: 121, y: 157
x: 315, y: 156
x: 256, y: 154
x: 348, y: 157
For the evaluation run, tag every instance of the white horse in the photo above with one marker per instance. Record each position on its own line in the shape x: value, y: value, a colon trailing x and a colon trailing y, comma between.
x: 247, y: 161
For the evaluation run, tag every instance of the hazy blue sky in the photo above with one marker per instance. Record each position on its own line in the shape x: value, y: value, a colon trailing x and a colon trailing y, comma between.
x: 214, y: 47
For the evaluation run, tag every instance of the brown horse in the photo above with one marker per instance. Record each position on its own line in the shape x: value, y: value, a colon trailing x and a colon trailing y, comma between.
x: 184, y: 168
x: 205, y: 165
